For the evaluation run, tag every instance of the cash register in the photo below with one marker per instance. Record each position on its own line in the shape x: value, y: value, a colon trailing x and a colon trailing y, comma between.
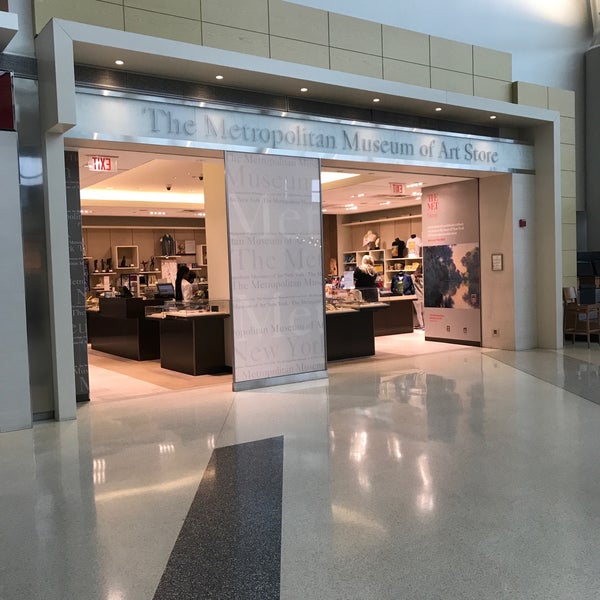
x: 165, y: 290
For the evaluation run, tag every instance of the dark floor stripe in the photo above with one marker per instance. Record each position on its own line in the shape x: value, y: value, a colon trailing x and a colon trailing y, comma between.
x: 230, y: 544
x: 577, y: 376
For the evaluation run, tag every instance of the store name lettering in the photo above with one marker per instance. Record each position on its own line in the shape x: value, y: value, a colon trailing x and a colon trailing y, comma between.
x: 299, y: 136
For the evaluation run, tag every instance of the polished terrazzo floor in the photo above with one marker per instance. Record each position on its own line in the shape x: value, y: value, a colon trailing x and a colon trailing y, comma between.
x: 427, y: 472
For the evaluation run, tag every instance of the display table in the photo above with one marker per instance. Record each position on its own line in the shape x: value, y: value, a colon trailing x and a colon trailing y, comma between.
x: 192, y: 343
x: 350, y: 332
x: 398, y: 319
x: 119, y: 327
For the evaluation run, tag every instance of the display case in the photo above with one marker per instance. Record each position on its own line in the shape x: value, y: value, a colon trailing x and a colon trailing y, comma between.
x: 192, y: 335
x: 118, y: 326
x: 349, y: 323
x: 199, y: 307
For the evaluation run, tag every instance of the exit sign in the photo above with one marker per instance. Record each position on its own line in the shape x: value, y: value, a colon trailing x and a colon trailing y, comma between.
x: 102, y: 163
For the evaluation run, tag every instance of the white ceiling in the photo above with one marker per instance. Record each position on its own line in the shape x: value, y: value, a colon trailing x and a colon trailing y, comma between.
x: 172, y: 185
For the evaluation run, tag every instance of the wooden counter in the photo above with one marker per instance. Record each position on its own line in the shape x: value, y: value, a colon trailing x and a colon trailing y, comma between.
x: 398, y: 318
x: 193, y: 344
x: 350, y: 333
x: 119, y: 328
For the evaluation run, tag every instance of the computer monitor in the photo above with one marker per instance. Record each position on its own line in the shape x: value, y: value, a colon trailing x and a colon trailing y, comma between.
x: 165, y: 290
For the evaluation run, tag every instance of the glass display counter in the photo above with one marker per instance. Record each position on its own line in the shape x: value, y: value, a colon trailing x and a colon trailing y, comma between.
x: 192, y: 335
x: 186, y: 310
x: 349, y: 323
x: 117, y: 326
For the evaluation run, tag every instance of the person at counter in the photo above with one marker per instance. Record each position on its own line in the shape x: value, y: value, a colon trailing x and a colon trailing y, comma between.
x: 187, y: 286
x: 365, y: 278
x: 182, y: 272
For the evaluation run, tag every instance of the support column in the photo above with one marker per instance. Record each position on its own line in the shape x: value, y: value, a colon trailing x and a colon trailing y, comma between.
x: 54, y: 51
x: 15, y: 400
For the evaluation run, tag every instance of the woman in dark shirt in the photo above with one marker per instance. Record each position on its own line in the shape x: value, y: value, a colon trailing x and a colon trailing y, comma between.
x: 365, y: 277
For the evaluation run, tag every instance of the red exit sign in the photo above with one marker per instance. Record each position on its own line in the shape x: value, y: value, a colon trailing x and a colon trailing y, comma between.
x: 102, y: 163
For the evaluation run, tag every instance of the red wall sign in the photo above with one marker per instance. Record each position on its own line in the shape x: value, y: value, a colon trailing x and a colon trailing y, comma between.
x: 102, y: 163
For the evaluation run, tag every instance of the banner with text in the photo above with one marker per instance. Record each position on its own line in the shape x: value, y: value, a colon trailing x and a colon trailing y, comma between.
x: 113, y: 116
x: 451, y: 262
x: 274, y: 220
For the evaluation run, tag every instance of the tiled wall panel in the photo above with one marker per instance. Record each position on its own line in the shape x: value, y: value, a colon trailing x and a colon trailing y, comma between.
x: 237, y: 40
x: 299, y: 52
x: 252, y: 15
x: 353, y: 34
x: 163, y: 26
x: 296, y: 22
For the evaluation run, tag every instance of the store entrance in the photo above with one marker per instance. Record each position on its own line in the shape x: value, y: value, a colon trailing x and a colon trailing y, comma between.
x: 151, y: 197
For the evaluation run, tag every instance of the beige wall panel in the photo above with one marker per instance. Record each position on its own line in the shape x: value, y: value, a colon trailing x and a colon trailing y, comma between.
x: 83, y: 11
x: 492, y: 63
x: 569, y: 236
x: 386, y: 235
x: 451, y: 81
x: 567, y: 185
x: 300, y: 52
x: 358, y: 35
x: 563, y: 101
x: 189, y: 9
x: 252, y: 15
x: 121, y: 237
x: 98, y: 244
x: 354, y: 62
x: 163, y: 26
x: 298, y: 23
x: 237, y: 40
x: 401, y: 44
x: 454, y: 56
x: 406, y: 72
x: 492, y: 88
x: 144, y: 240
x: 567, y: 130
x: 530, y: 94
x: 569, y: 210
x: 567, y: 157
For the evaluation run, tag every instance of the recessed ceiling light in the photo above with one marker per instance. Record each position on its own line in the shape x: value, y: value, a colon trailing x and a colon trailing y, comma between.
x: 219, y: 77
x: 329, y: 176
x: 304, y: 90
x: 438, y: 109
x: 376, y: 99
x: 119, y: 62
x: 493, y: 117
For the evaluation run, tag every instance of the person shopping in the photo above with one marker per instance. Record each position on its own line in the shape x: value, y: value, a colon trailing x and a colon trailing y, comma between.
x: 365, y: 278
x: 417, y: 278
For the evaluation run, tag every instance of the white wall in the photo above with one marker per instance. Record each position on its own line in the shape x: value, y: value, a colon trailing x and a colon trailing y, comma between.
x: 509, y: 297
